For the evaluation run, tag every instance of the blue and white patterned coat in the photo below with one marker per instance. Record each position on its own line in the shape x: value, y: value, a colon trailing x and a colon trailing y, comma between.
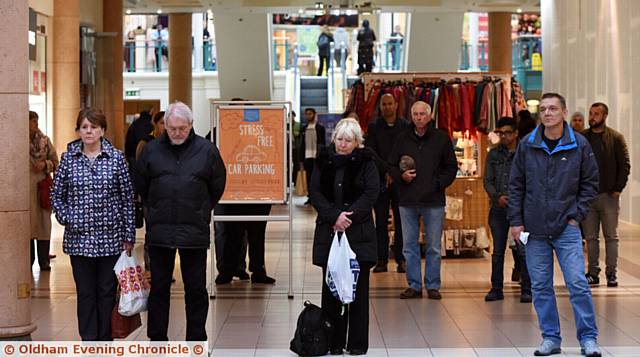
x: 94, y: 201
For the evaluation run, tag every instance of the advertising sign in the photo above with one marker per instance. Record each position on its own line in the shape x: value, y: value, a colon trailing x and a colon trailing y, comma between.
x: 252, y: 144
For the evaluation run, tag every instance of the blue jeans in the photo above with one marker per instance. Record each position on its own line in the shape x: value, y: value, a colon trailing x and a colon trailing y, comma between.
x: 433, y: 218
x: 568, y: 247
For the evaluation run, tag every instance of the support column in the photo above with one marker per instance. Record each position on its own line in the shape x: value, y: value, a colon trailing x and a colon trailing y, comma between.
x: 180, y: 86
x: 15, y: 308
x: 65, y: 71
x: 500, y: 42
x: 243, y: 45
x: 114, y: 104
x: 434, y: 41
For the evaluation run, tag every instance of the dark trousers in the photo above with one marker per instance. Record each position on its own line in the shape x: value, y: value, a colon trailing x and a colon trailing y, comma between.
x: 42, y: 246
x: 234, y: 236
x: 308, y: 167
x: 96, y: 290
x: 381, y: 208
x: 355, y: 319
x: 500, y: 231
x: 323, y: 60
x: 193, y: 266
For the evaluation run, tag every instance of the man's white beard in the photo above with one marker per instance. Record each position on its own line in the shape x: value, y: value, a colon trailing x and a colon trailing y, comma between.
x: 177, y: 142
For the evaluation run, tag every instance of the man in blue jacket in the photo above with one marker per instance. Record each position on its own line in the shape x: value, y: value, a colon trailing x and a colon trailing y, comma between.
x: 554, y: 178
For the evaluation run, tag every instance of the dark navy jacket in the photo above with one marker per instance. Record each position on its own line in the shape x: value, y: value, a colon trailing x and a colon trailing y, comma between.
x: 94, y: 201
x: 548, y: 188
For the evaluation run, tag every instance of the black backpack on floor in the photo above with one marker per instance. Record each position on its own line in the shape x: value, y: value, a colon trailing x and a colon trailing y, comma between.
x: 313, y: 332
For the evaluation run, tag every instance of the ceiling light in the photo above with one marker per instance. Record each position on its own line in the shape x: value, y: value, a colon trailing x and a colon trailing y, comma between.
x: 519, y: 11
x: 301, y: 11
x: 128, y: 11
x: 159, y: 11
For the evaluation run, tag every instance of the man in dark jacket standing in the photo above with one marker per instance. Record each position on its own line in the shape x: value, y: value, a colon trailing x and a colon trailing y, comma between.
x: 554, y: 179
x: 366, y: 38
x: 423, y: 164
x: 496, y: 183
x: 312, y: 141
x: 180, y: 177
x: 381, y: 135
x: 612, y: 157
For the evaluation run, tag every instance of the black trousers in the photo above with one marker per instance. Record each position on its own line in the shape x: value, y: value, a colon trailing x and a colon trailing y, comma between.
x: 500, y: 231
x: 193, y: 266
x: 308, y: 168
x: 381, y: 208
x: 355, y: 319
x: 96, y: 290
x: 42, y: 246
x: 323, y: 60
x: 234, y: 236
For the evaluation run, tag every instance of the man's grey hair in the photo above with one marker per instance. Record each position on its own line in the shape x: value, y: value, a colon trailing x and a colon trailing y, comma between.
x: 350, y: 128
x: 427, y: 107
x: 178, y: 110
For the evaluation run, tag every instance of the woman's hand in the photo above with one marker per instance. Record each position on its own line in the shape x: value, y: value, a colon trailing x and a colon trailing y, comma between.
x: 343, y: 222
x: 127, y: 247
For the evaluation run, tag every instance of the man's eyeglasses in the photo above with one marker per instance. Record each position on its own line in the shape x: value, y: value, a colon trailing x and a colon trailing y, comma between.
x: 504, y: 133
x: 552, y: 109
x: 183, y: 129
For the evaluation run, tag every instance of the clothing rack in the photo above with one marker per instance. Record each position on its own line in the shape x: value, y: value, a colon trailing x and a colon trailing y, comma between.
x: 370, y: 79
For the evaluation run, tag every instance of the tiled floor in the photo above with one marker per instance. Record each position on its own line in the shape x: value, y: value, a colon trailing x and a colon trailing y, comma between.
x: 249, y: 320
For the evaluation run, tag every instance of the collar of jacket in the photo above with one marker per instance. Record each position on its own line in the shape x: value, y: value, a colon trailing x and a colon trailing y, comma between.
x: 326, y: 157
x: 567, y: 141
x: 426, y: 135
x: 75, y: 147
x: 606, y: 134
x: 164, y: 139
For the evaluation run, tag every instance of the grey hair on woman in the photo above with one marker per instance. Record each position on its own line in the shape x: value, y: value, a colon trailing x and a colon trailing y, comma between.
x: 350, y: 128
x: 179, y: 110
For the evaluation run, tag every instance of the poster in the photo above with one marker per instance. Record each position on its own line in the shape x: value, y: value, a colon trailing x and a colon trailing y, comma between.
x: 252, y: 145
x: 329, y: 122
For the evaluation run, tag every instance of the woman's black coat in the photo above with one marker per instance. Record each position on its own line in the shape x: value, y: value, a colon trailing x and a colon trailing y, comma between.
x: 345, y: 183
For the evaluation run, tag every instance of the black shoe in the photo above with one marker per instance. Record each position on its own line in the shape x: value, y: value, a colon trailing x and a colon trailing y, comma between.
x: 224, y: 279
x: 592, y: 279
x: 381, y: 267
x: 242, y: 275
x: 434, y: 294
x: 526, y: 298
x: 336, y: 351
x: 515, y: 276
x: 307, y: 202
x: 262, y: 279
x: 612, y: 281
x: 494, y: 295
x: 356, y: 352
x: 411, y: 294
x: 402, y: 267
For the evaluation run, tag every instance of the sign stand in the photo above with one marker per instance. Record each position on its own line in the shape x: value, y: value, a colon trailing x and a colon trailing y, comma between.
x: 249, y: 154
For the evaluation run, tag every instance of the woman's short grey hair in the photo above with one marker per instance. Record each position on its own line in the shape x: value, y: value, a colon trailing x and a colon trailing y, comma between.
x: 178, y: 110
x: 350, y: 128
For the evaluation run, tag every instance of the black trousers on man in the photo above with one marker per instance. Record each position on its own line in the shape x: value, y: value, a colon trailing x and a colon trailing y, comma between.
x: 308, y: 164
x: 234, y: 233
x: 500, y: 231
x: 381, y: 208
x: 193, y: 266
x: 96, y: 291
x: 355, y: 319
x: 42, y: 246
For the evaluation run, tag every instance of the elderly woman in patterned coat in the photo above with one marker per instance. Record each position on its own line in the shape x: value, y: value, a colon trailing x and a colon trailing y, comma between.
x: 92, y: 198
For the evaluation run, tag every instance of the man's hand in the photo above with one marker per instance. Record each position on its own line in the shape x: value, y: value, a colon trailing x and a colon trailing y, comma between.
x: 615, y: 194
x: 515, y: 232
x: 388, y: 180
x: 503, y: 201
x: 343, y: 222
x: 409, y: 175
x: 573, y: 222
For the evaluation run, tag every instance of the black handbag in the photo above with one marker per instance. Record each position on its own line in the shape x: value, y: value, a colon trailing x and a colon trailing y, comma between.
x: 139, y: 214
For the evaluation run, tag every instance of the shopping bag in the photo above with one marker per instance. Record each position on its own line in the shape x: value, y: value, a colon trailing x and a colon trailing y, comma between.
x: 123, y: 326
x: 342, y: 270
x: 301, y: 183
x: 134, y: 288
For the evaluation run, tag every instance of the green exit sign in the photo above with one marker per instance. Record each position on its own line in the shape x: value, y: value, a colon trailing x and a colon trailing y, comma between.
x: 128, y: 93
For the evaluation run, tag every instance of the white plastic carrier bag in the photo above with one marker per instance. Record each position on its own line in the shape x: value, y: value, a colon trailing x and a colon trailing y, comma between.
x: 134, y: 288
x: 342, y: 270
